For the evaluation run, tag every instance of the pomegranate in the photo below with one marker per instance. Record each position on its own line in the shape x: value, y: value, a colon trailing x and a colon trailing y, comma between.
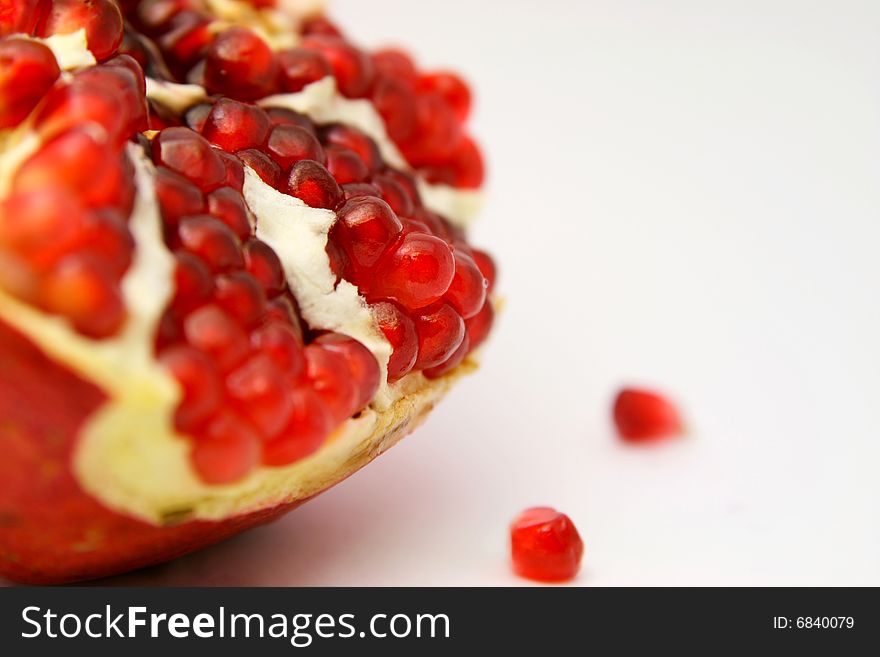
x: 643, y: 416
x: 233, y: 270
x: 545, y: 545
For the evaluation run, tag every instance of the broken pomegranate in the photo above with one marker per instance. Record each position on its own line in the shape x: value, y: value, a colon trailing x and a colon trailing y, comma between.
x: 545, y: 545
x: 222, y: 288
x: 645, y: 416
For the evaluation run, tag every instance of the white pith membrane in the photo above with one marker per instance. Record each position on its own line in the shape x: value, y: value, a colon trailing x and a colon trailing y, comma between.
x: 129, y: 455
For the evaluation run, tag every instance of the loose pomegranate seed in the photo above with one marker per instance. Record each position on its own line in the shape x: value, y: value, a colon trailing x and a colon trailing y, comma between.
x: 545, y: 545
x: 289, y: 144
x: 269, y: 172
x: 177, y: 196
x: 240, y: 295
x: 645, y: 416
x: 262, y: 263
x: 487, y: 267
x: 190, y: 155
x: 395, y: 194
x: 258, y: 390
x: 359, y: 190
x: 416, y: 272
x: 283, y: 344
x: 234, y: 170
x: 441, y: 331
x: 241, y: 65
x: 101, y: 20
x: 467, y: 292
x: 83, y: 290
x: 227, y: 205
x: 362, y: 365
x: 300, y: 67
x: 27, y: 71
x: 211, y: 330
x: 452, y: 89
x: 364, y: 228
x: 212, y: 241
x: 309, y: 425
x: 395, y: 101
x: 194, y: 284
x: 395, y: 64
x: 355, y: 140
x: 226, y: 450
x: 345, y: 165
x: 313, y: 184
x: 235, y: 126
x: 450, y: 363
x: 400, y: 331
x: 200, y: 383
x: 330, y: 376
x: 352, y: 68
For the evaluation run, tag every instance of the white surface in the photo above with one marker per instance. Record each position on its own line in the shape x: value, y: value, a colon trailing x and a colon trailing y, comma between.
x: 683, y: 194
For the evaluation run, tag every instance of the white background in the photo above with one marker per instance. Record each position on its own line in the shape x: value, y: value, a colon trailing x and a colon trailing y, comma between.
x: 683, y: 194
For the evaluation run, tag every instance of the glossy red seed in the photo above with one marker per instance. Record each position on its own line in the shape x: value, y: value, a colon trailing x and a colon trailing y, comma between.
x: 281, y: 342
x: 395, y: 64
x: 177, y: 196
x: 345, y: 165
x: 242, y: 297
x: 27, y: 71
x: 321, y: 25
x: 227, y: 205
x: 21, y: 16
x: 364, y: 228
x: 644, y: 416
x: 406, y: 181
x: 284, y: 116
x: 240, y: 64
x: 212, y: 241
x: 194, y: 284
x: 101, y: 19
x: 283, y: 308
x: 359, y: 190
x: 362, y: 365
x: 259, y: 392
x: 300, y: 67
x: 453, y: 90
x: 395, y: 194
x: 436, y: 135
x: 190, y: 155
x: 234, y: 170
x: 214, y: 332
x: 467, y: 292
x: 545, y: 545
x: 196, y: 116
x: 30, y: 219
x: 106, y: 236
x: 450, y: 363
x: 395, y: 101
x: 416, y: 272
x: 355, y: 140
x: 313, y: 184
x: 329, y: 375
x: 235, y: 126
x: 269, y: 172
x: 480, y: 325
x: 226, y: 450
x: 352, y: 68
x: 487, y: 267
x: 289, y: 144
x: 441, y: 331
x: 400, y: 331
x: 261, y: 261
x: 309, y: 425
x: 200, y: 384
x: 464, y: 168
x: 186, y: 41
x: 82, y: 289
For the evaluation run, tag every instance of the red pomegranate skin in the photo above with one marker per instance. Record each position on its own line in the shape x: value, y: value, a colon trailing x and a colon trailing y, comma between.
x: 51, y: 530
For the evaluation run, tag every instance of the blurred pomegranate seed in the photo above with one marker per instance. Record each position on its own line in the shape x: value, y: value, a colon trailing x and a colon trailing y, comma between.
x: 300, y: 67
x: 283, y: 344
x: 242, y: 297
x: 194, y: 283
x: 345, y: 165
x: 227, y: 205
x: 200, y: 383
x: 306, y: 431
x: 241, y: 65
x: 20, y: 16
x: 479, y: 326
x: 226, y: 450
x: 395, y: 194
x: 451, y: 88
x: 190, y: 155
x: 212, y: 241
x: 177, y: 196
x: 545, y: 545
x: 362, y: 365
x: 101, y: 20
x: 487, y: 267
x: 450, y: 363
x: 212, y: 331
x: 330, y: 376
x: 355, y: 140
x: 395, y: 63
x: 27, y: 71
x: 645, y: 416
x: 257, y: 388
x: 359, y: 190
x: 352, y: 68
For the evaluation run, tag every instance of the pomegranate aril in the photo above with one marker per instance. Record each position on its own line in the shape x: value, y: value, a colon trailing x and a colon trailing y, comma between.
x: 226, y: 450
x: 283, y: 308
x: 241, y: 65
x: 321, y: 25
x: 480, y: 325
x: 400, y: 331
x: 190, y: 154
x: 101, y: 20
x: 345, y: 165
x: 235, y: 126
x: 451, y: 88
x: 309, y: 425
x: 464, y: 168
x: 227, y: 205
x: 290, y: 143
x: 27, y: 71
x: 30, y: 217
x: 259, y: 392
x: 355, y: 140
x: 416, y: 271
x: 450, y: 363
x: 406, y: 181
x: 263, y: 264
x: 81, y: 289
x: 21, y: 16
x: 487, y: 267
x: 177, y: 196
x: 212, y: 241
x: 359, y: 190
x: 645, y: 416
x: 545, y: 545
x: 395, y: 194
x: 200, y: 384
x: 240, y: 295
x: 467, y: 292
x: 352, y: 68
x: 284, y: 116
x: 441, y: 331
x: 436, y: 134
x: 329, y: 375
x: 211, y: 330
x: 269, y: 172
x: 310, y: 182
x: 364, y: 228
x: 362, y: 365
x: 395, y: 101
x: 196, y: 116
x: 283, y: 344
x: 234, y: 170
x: 395, y: 64
x: 194, y: 284
x: 105, y: 235
x: 186, y: 41
x: 300, y: 67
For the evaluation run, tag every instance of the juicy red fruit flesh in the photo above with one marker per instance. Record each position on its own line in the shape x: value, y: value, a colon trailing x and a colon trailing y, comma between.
x: 645, y: 416
x: 545, y: 545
